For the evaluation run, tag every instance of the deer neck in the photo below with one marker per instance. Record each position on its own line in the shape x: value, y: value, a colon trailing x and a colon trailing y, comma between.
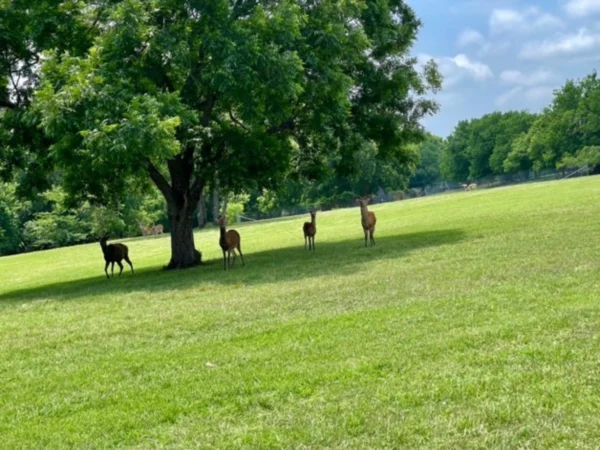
x: 364, y: 213
x: 313, y: 220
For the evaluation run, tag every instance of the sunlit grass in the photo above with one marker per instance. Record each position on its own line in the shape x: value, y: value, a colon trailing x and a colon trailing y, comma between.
x: 474, y: 323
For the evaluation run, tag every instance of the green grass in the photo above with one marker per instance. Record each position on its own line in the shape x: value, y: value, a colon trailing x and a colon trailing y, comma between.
x: 474, y: 323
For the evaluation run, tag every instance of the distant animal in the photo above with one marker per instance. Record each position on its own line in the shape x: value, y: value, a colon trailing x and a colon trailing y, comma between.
x: 469, y: 187
x: 144, y: 229
x: 114, y: 253
x: 229, y: 241
x: 158, y: 229
x: 368, y: 219
x: 310, y: 229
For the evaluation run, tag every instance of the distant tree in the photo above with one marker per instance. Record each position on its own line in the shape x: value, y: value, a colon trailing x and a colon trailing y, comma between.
x: 178, y: 92
x: 569, y: 124
x: 479, y: 148
x: 587, y: 156
x: 455, y: 159
x: 428, y: 170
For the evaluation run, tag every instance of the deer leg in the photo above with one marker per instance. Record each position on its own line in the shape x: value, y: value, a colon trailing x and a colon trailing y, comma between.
x: 241, y: 256
x: 224, y: 260
x: 106, y: 269
x: 112, y: 269
x: 305, y: 241
x: 366, y: 237
x: 372, y: 232
x: 234, y: 256
x: 120, y: 266
x: 130, y: 263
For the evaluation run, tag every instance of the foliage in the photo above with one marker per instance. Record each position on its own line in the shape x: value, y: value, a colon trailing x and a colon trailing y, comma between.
x: 587, y: 156
x: 50, y: 221
x: 568, y: 125
x: 428, y: 170
x: 480, y: 147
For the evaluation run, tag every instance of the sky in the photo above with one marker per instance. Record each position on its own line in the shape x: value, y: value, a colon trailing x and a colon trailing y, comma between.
x: 501, y: 55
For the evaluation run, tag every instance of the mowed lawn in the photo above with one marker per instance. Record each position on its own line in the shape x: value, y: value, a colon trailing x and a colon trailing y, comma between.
x: 474, y: 323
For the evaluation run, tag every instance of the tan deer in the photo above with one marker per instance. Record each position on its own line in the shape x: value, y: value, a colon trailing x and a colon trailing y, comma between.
x: 229, y: 242
x: 158, y: 229
x: 368, y: 219
x: 144, y: 229
x: 310, y: 229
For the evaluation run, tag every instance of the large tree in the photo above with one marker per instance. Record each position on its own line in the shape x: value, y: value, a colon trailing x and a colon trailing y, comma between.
x: 187, y: 92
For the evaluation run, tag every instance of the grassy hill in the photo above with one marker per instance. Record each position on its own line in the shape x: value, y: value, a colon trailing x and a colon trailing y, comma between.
x: 474, y: 323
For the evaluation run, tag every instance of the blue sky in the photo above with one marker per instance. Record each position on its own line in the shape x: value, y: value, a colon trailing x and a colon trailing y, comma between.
x: 505, y: 54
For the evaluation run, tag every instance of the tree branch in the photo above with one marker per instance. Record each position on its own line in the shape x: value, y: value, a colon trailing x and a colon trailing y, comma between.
x: 159, y: 180
x: 237, y: 122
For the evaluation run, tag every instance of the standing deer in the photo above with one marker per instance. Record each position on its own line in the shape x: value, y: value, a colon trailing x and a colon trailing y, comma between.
x: 310, y: 229
x: 368, y: 219
x: 229, y: 242
x: 114, y: 253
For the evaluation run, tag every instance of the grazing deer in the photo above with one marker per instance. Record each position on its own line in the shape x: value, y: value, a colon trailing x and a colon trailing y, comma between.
x: 114, y: 253
x: 158, y: 229
x: 229, y: 242
x: 144, y: 229
x: 368, y: 219
x: 310, y: 229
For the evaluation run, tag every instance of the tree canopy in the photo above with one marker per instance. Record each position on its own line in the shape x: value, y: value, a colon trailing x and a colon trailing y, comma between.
x: 187, y: 93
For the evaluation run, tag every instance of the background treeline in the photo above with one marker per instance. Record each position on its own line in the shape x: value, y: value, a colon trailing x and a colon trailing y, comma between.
x: 564, y: 135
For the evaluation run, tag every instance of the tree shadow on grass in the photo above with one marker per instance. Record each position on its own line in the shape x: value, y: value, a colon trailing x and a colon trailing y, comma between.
x: 266, y: 267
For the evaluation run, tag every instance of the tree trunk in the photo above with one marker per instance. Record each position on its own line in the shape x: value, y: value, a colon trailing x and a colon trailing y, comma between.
x: 183, y: 250
x: 202, y: 211
x: 215, y: 205
x: 182, y: 196
x: 225, y: 205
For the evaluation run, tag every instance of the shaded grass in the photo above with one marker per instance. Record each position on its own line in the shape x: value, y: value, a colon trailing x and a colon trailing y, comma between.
x: 473, y: 324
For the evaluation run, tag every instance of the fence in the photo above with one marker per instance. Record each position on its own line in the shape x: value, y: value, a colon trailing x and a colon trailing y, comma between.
x: 438, y: 188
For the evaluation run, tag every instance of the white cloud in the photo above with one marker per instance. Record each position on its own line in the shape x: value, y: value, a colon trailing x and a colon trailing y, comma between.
x: 540, y: 94
x: 456, y: 69
x: 529, y: 20
x: 470, y: 37
x: 569, y: 44
x: 478, y: 70
x: 582, y: 8
x: 519, y: 78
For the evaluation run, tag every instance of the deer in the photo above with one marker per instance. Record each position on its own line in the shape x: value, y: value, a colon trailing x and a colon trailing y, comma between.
x: 368, y: 219
x: 114, y: 253
x: 144, y: 229
x: 157, y: 229
x: 229, y: 242
x: 310, y: 229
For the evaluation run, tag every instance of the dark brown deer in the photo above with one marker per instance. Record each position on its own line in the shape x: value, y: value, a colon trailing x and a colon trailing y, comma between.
x: 310, y: 229
x: 114, y: 253
x: 368, y: 219
x: 229, y: 242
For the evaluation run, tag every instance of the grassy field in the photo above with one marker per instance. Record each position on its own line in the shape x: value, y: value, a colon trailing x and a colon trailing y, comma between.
x: 474, y: 323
